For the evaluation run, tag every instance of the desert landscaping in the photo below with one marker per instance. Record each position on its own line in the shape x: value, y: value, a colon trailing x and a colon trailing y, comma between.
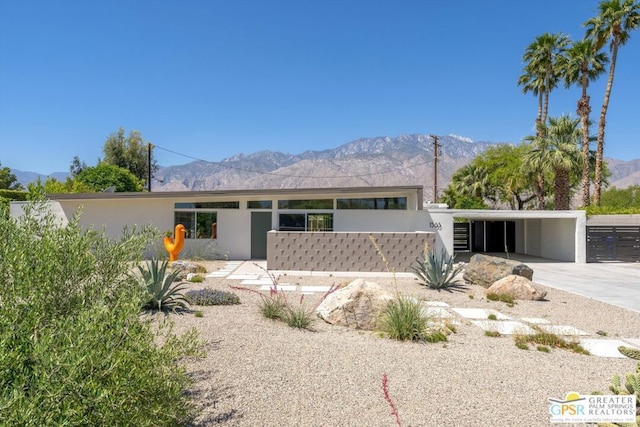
x: 261, y: 372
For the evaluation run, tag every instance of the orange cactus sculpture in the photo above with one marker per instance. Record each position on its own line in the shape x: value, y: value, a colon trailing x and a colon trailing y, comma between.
x: 174, y: 247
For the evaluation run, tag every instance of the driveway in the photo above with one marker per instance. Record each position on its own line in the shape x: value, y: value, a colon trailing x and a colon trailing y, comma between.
x: 613, y: 283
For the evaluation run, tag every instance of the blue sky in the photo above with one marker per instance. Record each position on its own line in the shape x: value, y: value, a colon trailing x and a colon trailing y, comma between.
x: 215, y: 78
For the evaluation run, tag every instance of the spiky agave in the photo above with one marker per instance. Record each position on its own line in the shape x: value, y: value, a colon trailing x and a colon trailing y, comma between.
x: 162, y: 296
x: 437, y: 271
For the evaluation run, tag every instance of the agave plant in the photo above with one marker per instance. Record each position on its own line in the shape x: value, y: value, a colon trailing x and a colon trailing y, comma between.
x: 437, y: 271
x: 162, y: 296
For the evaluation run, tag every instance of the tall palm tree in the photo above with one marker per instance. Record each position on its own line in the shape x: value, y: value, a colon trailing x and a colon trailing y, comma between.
x: 582, y: 64
x: 555, y: 151
x: 614, y: 23
x: 541, y: 76
x: 541, y: 72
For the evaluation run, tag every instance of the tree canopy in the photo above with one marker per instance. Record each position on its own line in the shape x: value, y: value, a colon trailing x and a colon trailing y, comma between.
x: 129, y: 152
x: 103, y: 176
x: 8, y: 180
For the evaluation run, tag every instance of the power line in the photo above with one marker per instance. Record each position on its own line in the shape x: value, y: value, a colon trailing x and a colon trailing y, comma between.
x: 287, y: 175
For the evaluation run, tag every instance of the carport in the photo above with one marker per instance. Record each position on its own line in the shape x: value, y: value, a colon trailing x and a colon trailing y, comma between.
x: 555, y: 235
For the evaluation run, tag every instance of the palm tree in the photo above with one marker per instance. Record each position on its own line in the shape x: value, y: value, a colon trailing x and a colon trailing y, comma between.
x: 614, y: 23
x: 541, y: 76
x: 582, y: 64
x: 541, y: 73
x: 555, y: 151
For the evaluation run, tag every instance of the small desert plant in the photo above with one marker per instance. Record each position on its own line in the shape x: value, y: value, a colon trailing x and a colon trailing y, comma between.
x: 198, y: 314
x: 549, y: 340
x: 196, y: 279
x: 402, y: 319
x: 211, y: 297
x: 543, y: 348
x: 492, y: 317
x: 507, y: 299
x: 299, y: 316
x: 494, y: 334
x: 161, y: 294
x: 274, y: 305
x: 602, y: 333
x: 437, y: 271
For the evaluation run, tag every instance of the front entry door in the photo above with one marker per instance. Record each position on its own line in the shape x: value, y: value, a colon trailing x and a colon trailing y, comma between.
x: 260, y: 225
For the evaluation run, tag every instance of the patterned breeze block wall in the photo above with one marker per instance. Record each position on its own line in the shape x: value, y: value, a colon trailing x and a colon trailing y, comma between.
x: 344, y: 251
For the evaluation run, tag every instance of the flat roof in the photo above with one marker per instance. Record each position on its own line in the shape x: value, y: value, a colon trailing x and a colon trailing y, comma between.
x: 242, y: 193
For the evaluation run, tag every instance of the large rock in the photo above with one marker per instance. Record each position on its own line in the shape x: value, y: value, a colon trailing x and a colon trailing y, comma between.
x: 517, y: 287
x: 358, y: 305
x: 485, y: 270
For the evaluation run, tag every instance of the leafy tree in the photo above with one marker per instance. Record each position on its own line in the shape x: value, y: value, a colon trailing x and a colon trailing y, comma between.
x: 614, y: 24
x: 497, y: 175
x: 129, y: 152
x: 53, y: 186
x: 582, y: 64
x: 103, y: 176
x: 554, y: 150
x: 8, y: 180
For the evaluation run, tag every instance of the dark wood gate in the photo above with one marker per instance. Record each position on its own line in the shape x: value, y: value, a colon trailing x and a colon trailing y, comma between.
x: 613, y: 243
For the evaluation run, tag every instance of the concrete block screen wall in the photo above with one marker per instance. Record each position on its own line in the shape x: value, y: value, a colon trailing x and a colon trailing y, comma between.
x: 344, y: 251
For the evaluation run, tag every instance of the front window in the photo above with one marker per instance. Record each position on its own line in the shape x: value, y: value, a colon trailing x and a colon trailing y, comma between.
x: 305, y: 222
x: 199, y: 225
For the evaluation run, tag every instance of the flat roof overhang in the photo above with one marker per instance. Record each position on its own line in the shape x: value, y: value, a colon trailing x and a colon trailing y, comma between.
x: 481, y: 214
x: 288, y: 192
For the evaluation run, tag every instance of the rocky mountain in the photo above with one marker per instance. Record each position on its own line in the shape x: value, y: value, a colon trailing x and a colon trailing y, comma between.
x: 379, y: 161
x: 404, y: 160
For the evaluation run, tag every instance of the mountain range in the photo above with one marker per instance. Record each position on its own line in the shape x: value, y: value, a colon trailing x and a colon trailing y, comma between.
x: 379, y: 161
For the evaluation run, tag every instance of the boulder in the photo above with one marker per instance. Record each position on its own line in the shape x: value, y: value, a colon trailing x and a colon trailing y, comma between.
x: 357, y: 305
x: 518, y: 287
x: 484, y: 270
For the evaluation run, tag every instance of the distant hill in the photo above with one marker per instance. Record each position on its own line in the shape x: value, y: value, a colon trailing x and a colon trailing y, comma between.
x: 403, y: 160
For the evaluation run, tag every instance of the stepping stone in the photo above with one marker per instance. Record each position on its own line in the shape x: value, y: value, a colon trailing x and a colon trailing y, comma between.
x: 505, y: 327
x: 436, y: 304
x: 243, y: 276
x: 535, y: 320
x: 314, y: 289
x: 635, y: 342
x: 256, y: 282
x: 285, y: 288
x: 603, y: 347
x: 216, y: 275
x: 562, y: 330
x: 437, y: 312
x: 480, y: 313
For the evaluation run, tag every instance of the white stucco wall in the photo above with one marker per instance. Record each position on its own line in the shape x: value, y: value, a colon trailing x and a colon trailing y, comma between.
x: 557, y: 239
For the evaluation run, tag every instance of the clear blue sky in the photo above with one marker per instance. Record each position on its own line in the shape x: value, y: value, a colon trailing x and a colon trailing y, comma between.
x: 213, y: 78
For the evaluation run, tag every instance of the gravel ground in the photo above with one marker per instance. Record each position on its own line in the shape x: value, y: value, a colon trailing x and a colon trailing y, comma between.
x: 259, y: 372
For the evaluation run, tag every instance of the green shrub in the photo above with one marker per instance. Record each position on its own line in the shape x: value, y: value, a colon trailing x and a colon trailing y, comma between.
x: 402, y: 319
x: 492, y: 317
x: 18, y: 195
x: 73, y: 348
x: 161, y: 294
x: 494, y: 334
x: 543, y: 348
x: 197, y: 279
x: 437, y: 271
x: 211, y: 297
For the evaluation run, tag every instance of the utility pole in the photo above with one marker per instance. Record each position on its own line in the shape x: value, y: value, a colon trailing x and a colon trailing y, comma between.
x: 149, y: 147
x: 436, y: 153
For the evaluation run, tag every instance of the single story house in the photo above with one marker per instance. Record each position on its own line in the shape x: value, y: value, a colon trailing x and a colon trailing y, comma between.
x: 275, y: 224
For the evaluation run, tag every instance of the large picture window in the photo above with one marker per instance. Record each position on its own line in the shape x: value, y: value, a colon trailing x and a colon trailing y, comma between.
x: 305, y: 222
x: 399, y: 203
x: 198, y: 225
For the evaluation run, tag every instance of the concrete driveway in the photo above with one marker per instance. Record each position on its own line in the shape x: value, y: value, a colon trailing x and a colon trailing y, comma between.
x: 613, y: 283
